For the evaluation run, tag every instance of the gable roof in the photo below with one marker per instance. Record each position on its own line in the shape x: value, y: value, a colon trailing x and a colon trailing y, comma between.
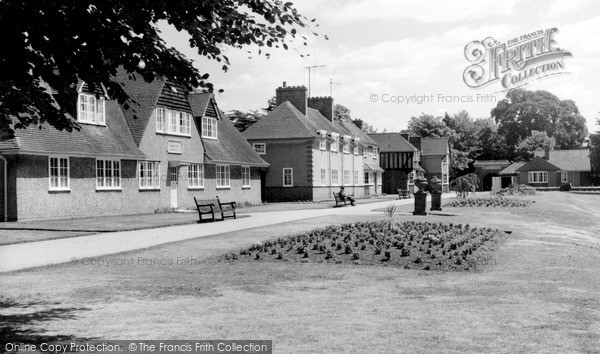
x: 112, y: 140
x: 434, y: 146
x: 230, y: 147
x: 392, y: 142
x: 537, y: 164
x: 569, y: 160
x: 145, y: 96
x: 491, y: 163
x: 287, y: 122
x: 511, y: 169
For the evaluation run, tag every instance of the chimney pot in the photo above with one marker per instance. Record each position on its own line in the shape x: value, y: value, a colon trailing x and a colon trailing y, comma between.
x: 323, y: 105
x: 284, y: 84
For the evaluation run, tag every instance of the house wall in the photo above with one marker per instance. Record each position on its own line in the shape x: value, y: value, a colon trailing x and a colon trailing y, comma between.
x: 553, y: 179
x: 393, y: 180
x: 235, y: 192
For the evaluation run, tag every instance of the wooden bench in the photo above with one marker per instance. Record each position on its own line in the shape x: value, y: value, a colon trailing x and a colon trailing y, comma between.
x: 214, y: 208
x: 339, y: 201
x: 403, y: 193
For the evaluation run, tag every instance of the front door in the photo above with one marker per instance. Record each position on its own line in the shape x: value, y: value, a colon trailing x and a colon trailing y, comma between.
x: 174, y: 182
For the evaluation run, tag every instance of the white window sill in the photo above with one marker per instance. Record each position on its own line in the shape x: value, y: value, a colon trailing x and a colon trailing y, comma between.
x: 246, y: 187
x: 196, y: 188
x: 150, y: 188
x: 174, y: 134
x: 223, y: 187
x: 103, y: 189
x: 92, y: 123
x: 59, y: 190
x: 209, y: 137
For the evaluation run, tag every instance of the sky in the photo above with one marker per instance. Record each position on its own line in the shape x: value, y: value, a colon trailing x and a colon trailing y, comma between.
x: 392, y: 60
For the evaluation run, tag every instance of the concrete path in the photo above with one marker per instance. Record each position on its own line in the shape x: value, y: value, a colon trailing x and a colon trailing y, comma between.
x: 35, y: 254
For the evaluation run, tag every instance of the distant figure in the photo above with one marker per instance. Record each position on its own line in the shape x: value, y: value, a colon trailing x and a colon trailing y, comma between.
x: 343, y: 196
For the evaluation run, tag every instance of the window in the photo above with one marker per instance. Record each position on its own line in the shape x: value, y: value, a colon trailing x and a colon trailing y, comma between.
x: 90, y: 109
x: 335, y: 145
x: 209, y: 127
x: 346, y: 146
x: 356, y: 178
x: 288, y: 177
x: 149, y: 174
x: 347, y: 180
x: 355, y: 150
x: 538, y: 177
x: 58, y: 171
x: 417, y: 156
x: 260, y: 148
x: 411, y: 177
x: 445, y: 172
x: 173, y: 122
x: 108, y: 174
x: 564, y: 176
x: 323, y: 144
x: 368, y: 178
x: 246, y: 176
x: 223, y: 176
x: 323, y: 177
x: 196, y: 176
x: 335, y: 179
x: 375, y: 153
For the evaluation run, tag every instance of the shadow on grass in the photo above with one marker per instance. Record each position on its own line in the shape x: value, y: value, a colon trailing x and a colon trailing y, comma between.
x: 24, y: 327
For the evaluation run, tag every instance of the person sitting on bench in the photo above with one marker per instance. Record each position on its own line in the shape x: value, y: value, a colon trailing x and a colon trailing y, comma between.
x: 343, y: 196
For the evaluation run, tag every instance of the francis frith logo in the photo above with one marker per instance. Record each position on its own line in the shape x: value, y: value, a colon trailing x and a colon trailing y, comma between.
x: 516, y: 62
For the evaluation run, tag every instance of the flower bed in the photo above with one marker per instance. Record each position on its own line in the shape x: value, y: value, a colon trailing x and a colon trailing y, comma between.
x: 489, y: 202
x: 418, y: 245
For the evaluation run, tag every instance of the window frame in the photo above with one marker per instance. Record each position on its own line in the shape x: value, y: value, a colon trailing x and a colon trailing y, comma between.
x: 246, y: 171
x: 323, y: 176
x: 537, y: 177
x: 564, y: 176
x: 214, y: 128
x: 264, y: 148
x: 291, y: 175
x: 154, y: 178
x: 335, y: 145
x: 223, y: 176
x: 355, y: 178
x: 336, y: 181
x: 105, y: 178
x: 97, y: 100
x: 59, y: 176
x: 346, y: 178
x: 196, y: 182
x: 171, y: 122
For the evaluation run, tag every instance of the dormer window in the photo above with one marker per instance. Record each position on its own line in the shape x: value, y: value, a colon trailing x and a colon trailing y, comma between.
x: 173, y: 122
x: 209, y: 127
x: 335, y: 145
x: 90, y: 109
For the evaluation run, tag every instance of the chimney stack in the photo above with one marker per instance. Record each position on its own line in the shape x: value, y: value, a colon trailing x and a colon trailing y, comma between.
x: 547, y: 153
x: 405, y: 136
x: 296, y: 95
x: 323, y: 105
x: 358, y: 123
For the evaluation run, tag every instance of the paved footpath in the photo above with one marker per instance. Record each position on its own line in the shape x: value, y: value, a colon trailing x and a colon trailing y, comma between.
x: 35, y: 254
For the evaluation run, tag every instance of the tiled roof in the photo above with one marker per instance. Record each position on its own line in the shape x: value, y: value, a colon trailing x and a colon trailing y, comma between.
x: 512, y: 168
x: 370, y: 166
x: 434, y: 146
x: 491, y: 162
x: 94, y: 140
x: 357, y: 132
x: 287, y: 122
x: 230, y: 147
x: 569, y: 160
x: 284, y: 122
x: 537, y: 164
x: 392, y: 142
x: 145, y: 94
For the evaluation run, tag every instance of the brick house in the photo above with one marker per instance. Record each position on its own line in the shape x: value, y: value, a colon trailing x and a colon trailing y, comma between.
x: 156, y: 154
x: 311, y: 155
x: 552, y: 168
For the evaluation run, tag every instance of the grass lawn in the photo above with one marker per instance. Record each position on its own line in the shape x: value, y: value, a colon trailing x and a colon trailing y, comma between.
x: 539, y: 292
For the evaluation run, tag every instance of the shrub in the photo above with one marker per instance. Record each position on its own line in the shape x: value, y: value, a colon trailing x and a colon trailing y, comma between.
x: 388, y: 255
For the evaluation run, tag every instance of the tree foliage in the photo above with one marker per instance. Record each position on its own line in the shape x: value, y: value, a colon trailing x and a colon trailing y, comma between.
x: 523, y: 112
x: 428, y: 126
x: 341, y: 113
x: 243, y: 120
x: 595, y: 153
x: 464, y: 185
x: 55, y: 43
x: 536, y: 141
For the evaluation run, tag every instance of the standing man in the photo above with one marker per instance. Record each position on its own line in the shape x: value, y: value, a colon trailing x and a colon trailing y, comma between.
x: 343, y: 196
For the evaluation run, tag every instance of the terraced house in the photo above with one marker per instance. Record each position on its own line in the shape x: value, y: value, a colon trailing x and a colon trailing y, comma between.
x: 158, y: 153
x: 310, y: 155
